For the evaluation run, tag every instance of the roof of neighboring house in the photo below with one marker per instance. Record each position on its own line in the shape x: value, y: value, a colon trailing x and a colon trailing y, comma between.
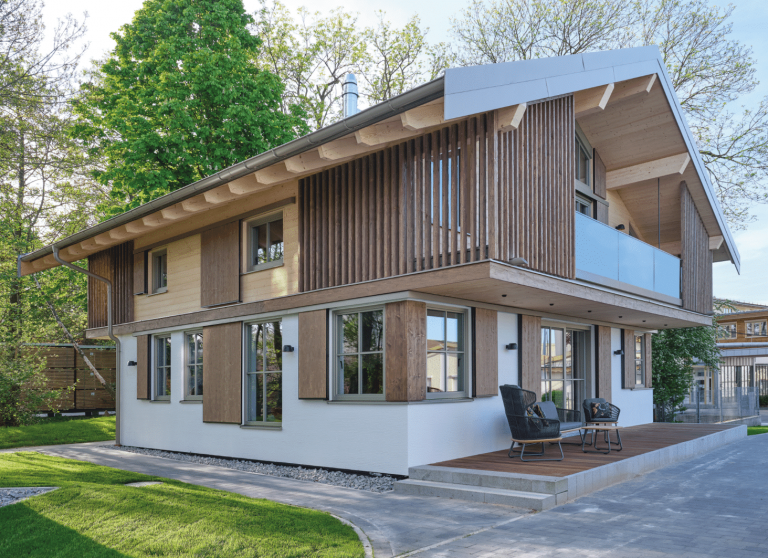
x: 762, y: 312
x: 466, y: 91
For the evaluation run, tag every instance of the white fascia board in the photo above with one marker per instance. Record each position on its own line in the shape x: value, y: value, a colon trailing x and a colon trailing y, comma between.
x: 476, y: 89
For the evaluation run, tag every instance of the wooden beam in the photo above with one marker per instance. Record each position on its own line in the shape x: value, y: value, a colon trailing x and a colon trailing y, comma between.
x: 219, y: 195
x: 273, y: 174
x: 509, y: 117
x: 174, y: 212
x: 101, y: 240
x: 136, y: 227
x: 305, y: 162
x: 154, y: 220
x: 715, y: 242
x: 675, y: 164
x: 196, y: 204
x: 246, y: 185
x: 592, y: 100
x: 120, y: 233
x: 423, y: 117
x: 632, y: 87
x: 341, y: 148
x: 383, y: 132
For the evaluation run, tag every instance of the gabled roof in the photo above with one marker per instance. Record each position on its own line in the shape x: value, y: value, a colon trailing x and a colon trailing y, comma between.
x: 466, y: 91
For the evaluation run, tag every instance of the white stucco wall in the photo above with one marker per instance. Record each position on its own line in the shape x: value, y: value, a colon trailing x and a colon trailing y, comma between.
x: 636, y: 404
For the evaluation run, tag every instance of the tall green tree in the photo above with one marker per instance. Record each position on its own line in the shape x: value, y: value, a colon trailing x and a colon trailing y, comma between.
x: 179, y: 98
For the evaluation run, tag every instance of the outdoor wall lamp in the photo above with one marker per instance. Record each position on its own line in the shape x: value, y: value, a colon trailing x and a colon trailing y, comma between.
x: 618, y: 352
x: 287, y: 348
x: 132, y: 363
x: 511, y: 346
x: 619, y: 227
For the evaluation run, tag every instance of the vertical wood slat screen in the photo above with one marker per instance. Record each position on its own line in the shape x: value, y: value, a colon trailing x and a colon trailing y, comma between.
x: 313, y: 355
x: 220, y: 265
x: 536, y: 188
x: 628, y: 360
x: 424, y: 204
x: 486, y: 348
x: 529, y: 353
x: 406, y: 350
x: 696, y: 283
x: 648, y: 360
x: 604, y: 356
x: 115, y: 264
x: 143, y: 367
x: 223, y: 378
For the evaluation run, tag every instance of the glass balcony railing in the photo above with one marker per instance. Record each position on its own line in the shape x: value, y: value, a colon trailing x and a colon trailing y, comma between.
x: 603, y: 251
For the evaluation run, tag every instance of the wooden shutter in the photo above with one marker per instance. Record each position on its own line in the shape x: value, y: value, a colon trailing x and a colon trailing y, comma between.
x: 313, y: 355
x: 220, y: 265
x: 600, y: 177
x: 648, y: 372
x: 486, y: 346
x: 222, y: 373
x: 143, y: 367
x: 140, y: 269
x: 529, y: 353
x: 405, y: 324
x: 604, y: 356
x: 628, y: 360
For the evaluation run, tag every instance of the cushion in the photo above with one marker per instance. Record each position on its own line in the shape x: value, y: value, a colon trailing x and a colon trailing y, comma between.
x: 539, y: 412
x: 569, y: 426
x: 600, y: 411
x: 549, y: 410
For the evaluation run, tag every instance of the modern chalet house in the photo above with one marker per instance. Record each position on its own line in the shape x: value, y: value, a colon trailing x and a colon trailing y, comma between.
x: 354, y: 298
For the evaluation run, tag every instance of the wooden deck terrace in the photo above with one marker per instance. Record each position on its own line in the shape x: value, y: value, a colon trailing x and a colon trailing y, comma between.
x: 636, y: 440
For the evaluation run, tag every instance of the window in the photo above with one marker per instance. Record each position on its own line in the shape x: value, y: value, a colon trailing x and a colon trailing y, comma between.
x: 639, y: 360
x: 583, y: 205
x: 563, y: 366
x: 265, y: 242
x: 360, y: 354
x: 264, y: 375
x: 160, y: 271
x: 445, y: 353
x: 583, y: 163
x: 162, y: 368
x: 726, y: 331
x: 193, y: 389
x: 757, y: 329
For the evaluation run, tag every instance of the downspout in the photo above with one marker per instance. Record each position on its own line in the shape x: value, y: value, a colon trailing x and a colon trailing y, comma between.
x: 109, y: 332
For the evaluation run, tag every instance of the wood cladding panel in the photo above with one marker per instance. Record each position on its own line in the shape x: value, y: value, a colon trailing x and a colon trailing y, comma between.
x: 140, y: 273
x: 220, y: 265
x: 696, y: 257
x: 529, y: 354
x: 536, y: 182
x: 405, y: 326
x: 143, y: 367
x: 648, y: 360
x: 222, y: 381
x: 116, y: 265
x: 628, y: 360
x: 604, y: 356
x: 313, y: 355
x: 486, y: 347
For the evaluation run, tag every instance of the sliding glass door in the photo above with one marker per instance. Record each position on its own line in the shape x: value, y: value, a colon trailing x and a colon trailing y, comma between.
x: 563, y: 366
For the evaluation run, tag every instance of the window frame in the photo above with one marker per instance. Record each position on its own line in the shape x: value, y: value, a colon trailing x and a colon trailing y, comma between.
x: 156, y: 339
x: 582, y: 145
x: 586, y: 202
x: 338, y: 354
x: 762, y: 325
x: 187, y: 365
x: 641, y: 360
x: 154, y: 256
x: 726, y: 328
x: 467, y: 352
x: 249, y: 254
x: 246, y: 365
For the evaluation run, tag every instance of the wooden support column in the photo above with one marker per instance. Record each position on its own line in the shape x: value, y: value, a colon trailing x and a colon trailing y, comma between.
x: 486, y: 347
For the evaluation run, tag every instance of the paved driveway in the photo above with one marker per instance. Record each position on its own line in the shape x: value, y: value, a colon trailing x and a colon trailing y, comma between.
x: 714, y: 505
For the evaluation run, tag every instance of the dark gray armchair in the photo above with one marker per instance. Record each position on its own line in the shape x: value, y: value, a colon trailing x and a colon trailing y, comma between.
x: 613, y: 419
x: 525, y: 428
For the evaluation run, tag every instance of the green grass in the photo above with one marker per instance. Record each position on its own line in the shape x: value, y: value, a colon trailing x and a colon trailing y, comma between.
x: 58, y: 430
x: 752, y: 430
x: 94, y: 515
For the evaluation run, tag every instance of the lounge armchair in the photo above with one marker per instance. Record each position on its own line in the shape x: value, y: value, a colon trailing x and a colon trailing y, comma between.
x: 526, y: 428
x: 611, y: 420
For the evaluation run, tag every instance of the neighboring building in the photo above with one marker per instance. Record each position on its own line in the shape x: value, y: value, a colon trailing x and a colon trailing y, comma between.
x: 354, y: 298
x: 743, y: 342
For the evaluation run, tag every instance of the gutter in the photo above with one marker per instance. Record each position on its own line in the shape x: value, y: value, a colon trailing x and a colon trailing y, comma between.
x: 415, y: 97
x: 111, y: 335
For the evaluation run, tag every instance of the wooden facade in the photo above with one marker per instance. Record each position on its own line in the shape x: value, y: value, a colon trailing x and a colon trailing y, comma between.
x: 696, y: 257
x: 603, y: 356
x: 144, y: 367
x: 223, y: 379
x: 486, y: 351
x: 220, y: 265
x: 313, y: 355
x: 529, y: 353
x: 116, y: 265
x: 628, y: 359
x: 406, y: 342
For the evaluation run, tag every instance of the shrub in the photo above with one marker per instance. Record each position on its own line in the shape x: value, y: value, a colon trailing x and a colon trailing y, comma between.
x: 764, y: 400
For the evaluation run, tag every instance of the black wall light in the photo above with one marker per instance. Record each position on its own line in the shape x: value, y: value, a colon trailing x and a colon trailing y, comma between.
x: 619, y: 227
x: 511, y: 346
x: 618, y: 352
x: 288, y: 348
x: 132, y: 363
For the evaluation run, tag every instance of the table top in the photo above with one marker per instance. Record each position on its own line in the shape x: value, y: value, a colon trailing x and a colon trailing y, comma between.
x: 599, y: 427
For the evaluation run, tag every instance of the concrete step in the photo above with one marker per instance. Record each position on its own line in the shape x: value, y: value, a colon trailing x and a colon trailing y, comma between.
x: 531, y: 500
x: 490, y: 479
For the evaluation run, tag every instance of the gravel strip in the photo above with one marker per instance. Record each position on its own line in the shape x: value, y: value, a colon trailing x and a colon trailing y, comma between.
x: 10, y: 496
x: 371, y: 483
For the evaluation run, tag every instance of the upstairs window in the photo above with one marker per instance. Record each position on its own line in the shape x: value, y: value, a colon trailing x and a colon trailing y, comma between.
x: 757, y: 329
x: 265, y: 243
x: 726, y: 331
x: 583, y: 163
x: 159, y: 271
x: 583, y: 205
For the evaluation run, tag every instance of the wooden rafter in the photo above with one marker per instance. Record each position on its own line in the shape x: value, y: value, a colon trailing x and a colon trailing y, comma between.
x: 632, y: 87
x: 675, y: 164
x: 592, y: 100
x: 509, y: 117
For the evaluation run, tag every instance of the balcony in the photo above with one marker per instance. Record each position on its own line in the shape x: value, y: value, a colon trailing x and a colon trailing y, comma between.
x: 613, y: 259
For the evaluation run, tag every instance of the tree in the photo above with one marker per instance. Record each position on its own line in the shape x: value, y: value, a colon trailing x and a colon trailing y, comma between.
x: 709, y: 70
x: 179, y: 99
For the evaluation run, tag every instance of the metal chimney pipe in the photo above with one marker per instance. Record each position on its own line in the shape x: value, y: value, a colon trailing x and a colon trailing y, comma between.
x: 349, y: 95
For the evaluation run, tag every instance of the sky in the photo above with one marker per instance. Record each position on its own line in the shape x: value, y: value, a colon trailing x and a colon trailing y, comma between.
x: 748, y: 20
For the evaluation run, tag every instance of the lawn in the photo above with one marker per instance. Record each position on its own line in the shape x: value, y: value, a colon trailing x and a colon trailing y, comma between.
x: 752, y: 430
x: 94, y: 515
x: 58, y: 430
